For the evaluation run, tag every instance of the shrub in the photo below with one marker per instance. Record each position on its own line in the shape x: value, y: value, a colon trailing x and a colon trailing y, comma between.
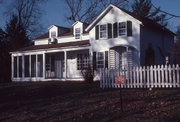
x: 88, y: 74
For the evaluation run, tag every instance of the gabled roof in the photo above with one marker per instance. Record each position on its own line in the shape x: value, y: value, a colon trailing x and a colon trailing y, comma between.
x: 58, y: 45
x: 58, y: 27
x: 143, y: 21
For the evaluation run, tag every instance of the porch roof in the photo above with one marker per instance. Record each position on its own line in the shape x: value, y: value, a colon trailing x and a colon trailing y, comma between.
x: 58, y: 45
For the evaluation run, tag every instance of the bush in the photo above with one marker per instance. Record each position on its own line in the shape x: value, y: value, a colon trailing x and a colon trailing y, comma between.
x: 88, y: 74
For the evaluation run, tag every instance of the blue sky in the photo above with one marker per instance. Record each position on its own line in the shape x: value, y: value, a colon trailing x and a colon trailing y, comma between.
x: 54, y: 12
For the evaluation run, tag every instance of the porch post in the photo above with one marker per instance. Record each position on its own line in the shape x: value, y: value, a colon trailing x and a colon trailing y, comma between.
x: 91, y: 58
x: 36, y: 66
x: 12, y: 67
x: 29, y: 65
x: 65, y: 63
x: 44, y: 66
x: 127, y: 58
x: 17, y: 66
x: 23, y: 66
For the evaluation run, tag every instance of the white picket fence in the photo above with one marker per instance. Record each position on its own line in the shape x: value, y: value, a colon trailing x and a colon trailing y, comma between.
x: 164, y: 76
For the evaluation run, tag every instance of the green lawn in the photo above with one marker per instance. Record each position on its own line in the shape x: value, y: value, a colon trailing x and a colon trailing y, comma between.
x: 78, y: 101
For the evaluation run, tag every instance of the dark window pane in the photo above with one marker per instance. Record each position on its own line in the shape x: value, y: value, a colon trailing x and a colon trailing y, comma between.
x: 20, y: 66
x: 15, y: 67
x: 26, y: 66
x: 33, y: 65
x: 40, y: 66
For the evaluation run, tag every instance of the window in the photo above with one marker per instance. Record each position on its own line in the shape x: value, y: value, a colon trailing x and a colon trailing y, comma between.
x: 100, y: 60
x: 77, y: 33
x: 103, y: 31
x: 122, y: 28
x: 53, y: 34
x: 82, y: 61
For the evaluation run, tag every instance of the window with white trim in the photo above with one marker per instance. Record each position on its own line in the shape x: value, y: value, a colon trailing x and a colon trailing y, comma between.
x: 122, y: 28
x: 82, y: 61
x: 103, y: 31
x: 77, y: 33
x: 100, y: 60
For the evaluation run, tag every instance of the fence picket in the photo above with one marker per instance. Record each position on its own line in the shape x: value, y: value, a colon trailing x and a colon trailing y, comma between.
x: 170, y: 76
x: 178, y: 73
x: 151, y: 77
x: 147, y: 70
x: 140, y: 75
x: 174, y: 76
x: 166, y: 76
x: 162, y: 72
x: 158, y: 76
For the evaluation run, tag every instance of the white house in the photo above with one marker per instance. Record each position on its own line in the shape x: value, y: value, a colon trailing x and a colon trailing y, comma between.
x: 115, y: 39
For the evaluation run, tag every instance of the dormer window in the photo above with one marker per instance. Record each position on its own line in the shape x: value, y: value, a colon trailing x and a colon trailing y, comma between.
x: 77, y: 33
x: 53, y: 34
x: 103, y: 31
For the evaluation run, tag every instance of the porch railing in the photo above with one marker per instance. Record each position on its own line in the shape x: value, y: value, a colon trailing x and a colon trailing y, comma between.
x: 164, y: 76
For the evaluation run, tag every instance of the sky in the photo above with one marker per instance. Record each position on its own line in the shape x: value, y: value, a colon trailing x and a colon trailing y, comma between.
x: 54, y: 12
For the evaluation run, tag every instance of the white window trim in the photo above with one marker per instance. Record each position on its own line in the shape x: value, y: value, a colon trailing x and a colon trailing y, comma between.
x: 103, y: 59
x: 106, y: 32
x: 125, y: 28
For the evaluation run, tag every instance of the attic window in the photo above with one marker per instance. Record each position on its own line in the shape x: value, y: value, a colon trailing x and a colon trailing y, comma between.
x: 53, y: 34
x: 77, y: 33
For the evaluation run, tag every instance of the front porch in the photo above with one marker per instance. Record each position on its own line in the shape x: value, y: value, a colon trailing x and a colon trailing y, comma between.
x: 49, y: 65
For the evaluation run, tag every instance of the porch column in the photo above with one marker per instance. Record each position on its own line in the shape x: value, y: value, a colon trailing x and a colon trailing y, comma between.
x: 91, y: 58
x: 17, y: 66
x: 127, y: 49
x: 36, y: 66
x: 12, y: 67
x: 23, y: 66
x: 65, y: 63
x: 29, y: 65
x: 44, y: 66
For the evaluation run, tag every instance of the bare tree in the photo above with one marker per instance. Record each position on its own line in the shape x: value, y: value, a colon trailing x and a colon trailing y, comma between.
x: 87, y: 10
x: 28, y: 13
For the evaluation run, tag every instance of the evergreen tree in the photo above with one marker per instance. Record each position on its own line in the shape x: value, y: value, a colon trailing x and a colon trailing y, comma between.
x: 16, y: 34
x: 143, y: 9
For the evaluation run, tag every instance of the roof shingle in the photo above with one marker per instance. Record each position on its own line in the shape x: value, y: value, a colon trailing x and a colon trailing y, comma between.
x: 59, y: 45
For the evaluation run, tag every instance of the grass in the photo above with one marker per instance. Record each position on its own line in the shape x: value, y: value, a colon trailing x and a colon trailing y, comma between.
x: 79, y: 101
